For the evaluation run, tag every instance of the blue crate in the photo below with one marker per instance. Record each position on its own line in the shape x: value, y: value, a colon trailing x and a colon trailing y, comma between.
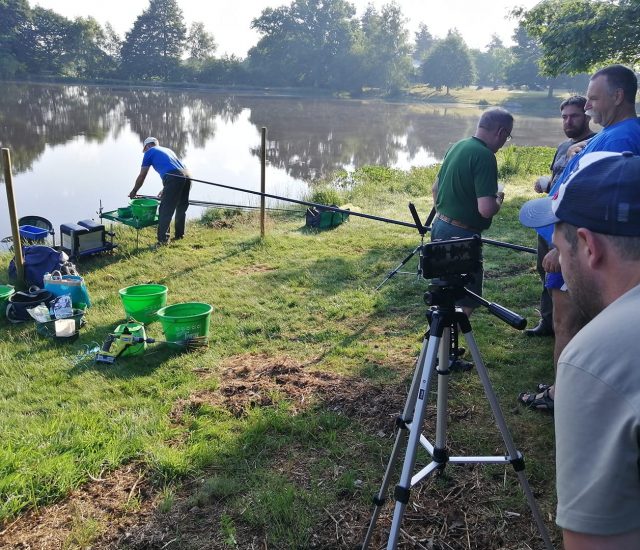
x: 33, y: 233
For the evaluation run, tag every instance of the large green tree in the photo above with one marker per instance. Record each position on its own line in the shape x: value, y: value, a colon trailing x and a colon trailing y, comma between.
x: 14, y: 17
x: 154, y: 46
x: 491, y: 65
x: 449, y: 63
x: 422, y: 42
x: 386, y: 51
x: 304, y: 43
x: 46, y: 43
x: 200, y: 43
x: 579, y: 35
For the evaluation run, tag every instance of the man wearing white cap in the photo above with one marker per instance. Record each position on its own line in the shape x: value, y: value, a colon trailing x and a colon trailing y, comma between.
x: 175, y: 187
x: 596, y: 213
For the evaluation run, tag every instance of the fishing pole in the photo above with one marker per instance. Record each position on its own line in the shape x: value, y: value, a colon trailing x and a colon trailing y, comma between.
x: 195, y: 202
x: 358, y: 214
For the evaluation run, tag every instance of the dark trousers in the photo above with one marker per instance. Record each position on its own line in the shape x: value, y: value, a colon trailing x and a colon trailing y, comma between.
x: 546, y: 305
x: 175, y: 200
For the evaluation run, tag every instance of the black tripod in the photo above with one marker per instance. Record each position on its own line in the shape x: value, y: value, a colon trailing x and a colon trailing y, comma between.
x: 445, y: 319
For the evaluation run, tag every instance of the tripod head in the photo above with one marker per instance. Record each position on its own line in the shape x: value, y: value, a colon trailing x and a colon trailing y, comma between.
x: 449, y: 265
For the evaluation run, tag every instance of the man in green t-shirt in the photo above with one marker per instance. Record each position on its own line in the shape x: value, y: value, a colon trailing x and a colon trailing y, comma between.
x: 466, y: 193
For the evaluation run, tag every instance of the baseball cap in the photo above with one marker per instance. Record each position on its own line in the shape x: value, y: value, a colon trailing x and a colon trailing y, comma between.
x: 602, y: 195
x: 148, y: 141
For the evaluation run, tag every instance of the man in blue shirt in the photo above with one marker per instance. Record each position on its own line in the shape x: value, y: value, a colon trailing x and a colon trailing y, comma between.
x: 175, y: 187
x: 611, y: 97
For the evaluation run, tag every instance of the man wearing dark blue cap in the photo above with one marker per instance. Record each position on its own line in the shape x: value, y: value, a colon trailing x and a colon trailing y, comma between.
x: 175, y: 187
x: 596, y: 213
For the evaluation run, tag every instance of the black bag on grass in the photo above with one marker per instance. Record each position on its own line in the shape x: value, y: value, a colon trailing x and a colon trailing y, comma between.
x: 20, y: 302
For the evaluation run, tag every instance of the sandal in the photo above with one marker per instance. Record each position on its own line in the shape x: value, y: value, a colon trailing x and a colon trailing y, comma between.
x: 531, y: 400
x: 542, y: 386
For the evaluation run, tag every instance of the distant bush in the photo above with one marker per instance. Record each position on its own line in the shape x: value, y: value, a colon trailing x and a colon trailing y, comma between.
x: 524, y: 161
x: 326, y: 195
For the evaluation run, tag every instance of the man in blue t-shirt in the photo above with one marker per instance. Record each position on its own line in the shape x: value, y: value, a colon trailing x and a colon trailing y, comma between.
x: 611, y: 97
x: 175, y: 187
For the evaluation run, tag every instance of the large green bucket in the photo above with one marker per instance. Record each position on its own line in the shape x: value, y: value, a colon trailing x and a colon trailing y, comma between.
x: 143, y: 301
x: 5, y: 293
x: 144, y: 209
x: 182, y: 322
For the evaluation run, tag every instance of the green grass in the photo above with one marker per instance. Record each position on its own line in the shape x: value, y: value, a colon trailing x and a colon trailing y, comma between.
x: 301, y: 294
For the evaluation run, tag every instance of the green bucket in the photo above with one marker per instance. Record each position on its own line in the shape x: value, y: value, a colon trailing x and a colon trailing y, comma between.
x: 182, y: 322
x: 144, y: 209
x: 6, y: 292
x: 143, y: 301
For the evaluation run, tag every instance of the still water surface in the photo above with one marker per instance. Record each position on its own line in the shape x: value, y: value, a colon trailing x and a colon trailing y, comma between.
x: 76, y: 147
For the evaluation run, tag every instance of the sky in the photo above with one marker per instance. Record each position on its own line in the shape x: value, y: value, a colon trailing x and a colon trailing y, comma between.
x: 229, y: 20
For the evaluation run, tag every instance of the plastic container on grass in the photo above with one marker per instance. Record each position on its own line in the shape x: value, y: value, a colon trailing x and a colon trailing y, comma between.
x: 6, y: 291
x: 184, y: 322
x: 143, y: 301
x: 62, y: 330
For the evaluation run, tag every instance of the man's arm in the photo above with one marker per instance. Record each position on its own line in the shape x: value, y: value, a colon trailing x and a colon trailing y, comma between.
x: 489, y: 206
x: 139, y: 181
x: 582, y: 541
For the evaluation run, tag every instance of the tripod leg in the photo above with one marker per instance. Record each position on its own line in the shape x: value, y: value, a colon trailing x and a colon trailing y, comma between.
x: 401, y: 424
x: 399, y: 267
x: 403, y: 488
x: 516, y: 458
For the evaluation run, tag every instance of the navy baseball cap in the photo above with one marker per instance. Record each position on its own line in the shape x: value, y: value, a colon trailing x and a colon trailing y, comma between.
x: 602, y: 195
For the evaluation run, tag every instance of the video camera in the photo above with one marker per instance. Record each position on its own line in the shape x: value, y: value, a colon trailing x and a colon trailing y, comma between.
x: 439, y: 259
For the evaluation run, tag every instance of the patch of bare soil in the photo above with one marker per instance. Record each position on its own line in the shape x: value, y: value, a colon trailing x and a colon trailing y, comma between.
x: 458, y: 509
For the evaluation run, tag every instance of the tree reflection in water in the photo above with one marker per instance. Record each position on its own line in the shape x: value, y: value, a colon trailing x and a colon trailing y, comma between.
x: 218, y: 135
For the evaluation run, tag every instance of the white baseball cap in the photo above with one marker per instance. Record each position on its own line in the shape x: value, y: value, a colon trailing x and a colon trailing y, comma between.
x: 148, y: 141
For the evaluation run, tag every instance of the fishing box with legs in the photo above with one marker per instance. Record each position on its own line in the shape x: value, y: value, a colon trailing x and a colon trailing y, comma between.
x: 85, y: 238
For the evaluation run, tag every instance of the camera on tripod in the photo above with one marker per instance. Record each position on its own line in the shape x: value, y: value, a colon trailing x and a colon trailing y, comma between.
x: 441, y: 259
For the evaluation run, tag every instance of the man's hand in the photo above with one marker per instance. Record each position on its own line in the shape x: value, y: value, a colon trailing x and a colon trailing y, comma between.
x: 133, y: 194
x: 575, y: 149
x: 551, y: 262
x: 542, y: 184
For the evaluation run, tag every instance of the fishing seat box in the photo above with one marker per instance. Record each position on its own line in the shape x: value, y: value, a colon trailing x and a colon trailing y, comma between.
x: 84, y: 237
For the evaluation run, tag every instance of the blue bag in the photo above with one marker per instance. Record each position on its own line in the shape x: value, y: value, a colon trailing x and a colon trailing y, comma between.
x: 39, y: 260
x: 71, y: 285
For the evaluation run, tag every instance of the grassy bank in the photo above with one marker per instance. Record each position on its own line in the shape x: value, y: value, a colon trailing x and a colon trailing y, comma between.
x: 278, y: 434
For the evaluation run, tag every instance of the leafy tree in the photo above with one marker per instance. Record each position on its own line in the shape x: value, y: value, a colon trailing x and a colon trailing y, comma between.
x: 524, y: 69
x: 45, y: 43
x: 304, y: 43
x: 491, y: 66
x: 579, y: 35
x: 449, y: 63
x: 154, y: 46
x: 386, y: 50
x: 88, y: 57
x: 422, y: 43
x: 14, y: 15
x: 112, y: 44
x: 200, y: 43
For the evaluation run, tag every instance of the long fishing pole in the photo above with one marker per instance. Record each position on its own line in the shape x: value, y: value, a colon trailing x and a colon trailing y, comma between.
x: 352, y: 213
x: 196, y: 202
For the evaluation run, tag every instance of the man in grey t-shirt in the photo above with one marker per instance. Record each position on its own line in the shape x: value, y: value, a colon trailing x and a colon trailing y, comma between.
x: 596, y: 213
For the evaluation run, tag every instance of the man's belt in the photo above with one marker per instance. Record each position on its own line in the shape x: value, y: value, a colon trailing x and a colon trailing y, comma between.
x: 457, y: 223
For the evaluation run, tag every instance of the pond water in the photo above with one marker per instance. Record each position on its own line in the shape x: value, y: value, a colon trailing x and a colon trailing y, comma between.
x: 74, y: 148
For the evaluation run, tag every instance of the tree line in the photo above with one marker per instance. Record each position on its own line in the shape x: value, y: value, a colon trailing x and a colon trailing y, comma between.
x: 321, y: 44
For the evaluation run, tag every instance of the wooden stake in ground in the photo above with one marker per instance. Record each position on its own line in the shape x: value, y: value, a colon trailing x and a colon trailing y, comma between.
x: 13, y: 218
x: 263, y: 170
